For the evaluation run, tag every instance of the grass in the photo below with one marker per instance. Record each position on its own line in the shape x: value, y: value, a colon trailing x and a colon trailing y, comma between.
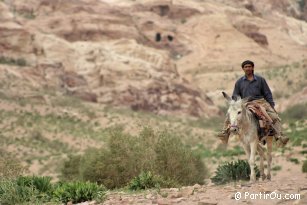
x: 295, y: 113
x: 280, y: 77
x: 53, y: 123
x: 276, y: 168
x: 218, y: 153
x: 297, y: 137
x: 294, y: 160
x: 304, y: 166
x: 11, y: 61
x: 295, y: 116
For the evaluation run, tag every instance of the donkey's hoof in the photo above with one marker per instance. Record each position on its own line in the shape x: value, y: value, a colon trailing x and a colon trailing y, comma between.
x: 268, y: 177
x: 263, y: 177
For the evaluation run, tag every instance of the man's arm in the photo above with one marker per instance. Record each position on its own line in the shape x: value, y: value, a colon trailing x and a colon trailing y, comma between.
x: 267, y: 94
x: 236, y: 91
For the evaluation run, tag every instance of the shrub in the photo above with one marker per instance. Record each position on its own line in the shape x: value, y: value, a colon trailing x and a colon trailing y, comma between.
x: 233, y: 171
x: 177, y: 162
x: 126, y: 157
x: 70, y: 170
x: 25, y: 189
x: 42, y: 184
x: 39, y: 190
x: 304, y: 167
x: 147, y: 180
x: 11, y: 193
x: 113, y: 167
x: 77, y: 192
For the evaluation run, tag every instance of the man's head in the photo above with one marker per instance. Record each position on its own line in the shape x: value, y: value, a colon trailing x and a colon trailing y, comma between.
x: 248, y: 67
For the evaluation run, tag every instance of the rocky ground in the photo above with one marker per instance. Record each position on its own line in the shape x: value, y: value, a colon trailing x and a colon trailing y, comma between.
x: 290, y: 180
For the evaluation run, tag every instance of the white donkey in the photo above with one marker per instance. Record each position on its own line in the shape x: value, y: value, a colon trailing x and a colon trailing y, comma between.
x: 243, y: 123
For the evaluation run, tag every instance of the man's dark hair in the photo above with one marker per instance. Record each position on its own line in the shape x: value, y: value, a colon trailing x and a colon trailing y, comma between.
x: 247, y: 62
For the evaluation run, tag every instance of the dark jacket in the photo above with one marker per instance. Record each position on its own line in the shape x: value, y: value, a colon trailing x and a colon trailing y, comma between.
x: 255, y: 89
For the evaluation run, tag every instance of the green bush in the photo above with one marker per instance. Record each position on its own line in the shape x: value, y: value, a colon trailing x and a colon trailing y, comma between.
x: 39, y: 190
x: 304, y: 167
x: 147, y: 180
x: 233, y: 171
x: 11, y: 193
x: 126, y: 157
x: 42, y: 184
x: 113, y: 167
x: 77, y: 192
x: 177, y: 162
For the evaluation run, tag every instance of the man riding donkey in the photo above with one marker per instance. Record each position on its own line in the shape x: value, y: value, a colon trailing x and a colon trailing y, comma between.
x: 255, y: 88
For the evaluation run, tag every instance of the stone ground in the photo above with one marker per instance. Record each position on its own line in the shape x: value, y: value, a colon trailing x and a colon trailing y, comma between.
x: 287, y: 182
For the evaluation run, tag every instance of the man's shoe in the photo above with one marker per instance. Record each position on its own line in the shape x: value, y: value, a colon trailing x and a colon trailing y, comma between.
x: 223, y: 136
x: 283, y: 140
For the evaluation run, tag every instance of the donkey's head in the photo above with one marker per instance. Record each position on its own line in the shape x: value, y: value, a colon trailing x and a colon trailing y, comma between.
x: 235, y: 112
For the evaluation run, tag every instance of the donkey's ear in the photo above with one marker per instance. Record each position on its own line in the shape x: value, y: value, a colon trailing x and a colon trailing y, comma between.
x: 226, y: 96
x: 236, y: 97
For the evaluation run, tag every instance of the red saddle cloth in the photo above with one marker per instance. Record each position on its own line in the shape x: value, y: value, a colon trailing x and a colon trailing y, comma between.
x: 265, y: 121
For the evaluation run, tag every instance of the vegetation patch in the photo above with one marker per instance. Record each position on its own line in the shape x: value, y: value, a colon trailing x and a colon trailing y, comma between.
x: 304, y: 167
x: 147, y: 180
x: 296, y: 112
x: 233, y: 171
x: 39, y: 190
x: 9, y: 166
x: 12, y: 61
x: 218, y: 153
x: 276, y: 168
x: 126, y: 157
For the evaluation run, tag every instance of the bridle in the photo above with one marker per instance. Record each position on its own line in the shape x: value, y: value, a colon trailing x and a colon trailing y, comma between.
x: 235, y: 126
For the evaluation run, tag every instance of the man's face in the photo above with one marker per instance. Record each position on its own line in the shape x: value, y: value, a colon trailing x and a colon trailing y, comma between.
x: 248, y: 69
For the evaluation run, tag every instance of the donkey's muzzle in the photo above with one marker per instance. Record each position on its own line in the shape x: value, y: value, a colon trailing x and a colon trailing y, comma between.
x: 234, y: 129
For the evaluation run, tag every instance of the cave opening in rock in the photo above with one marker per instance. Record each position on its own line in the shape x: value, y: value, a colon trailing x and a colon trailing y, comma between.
x: 158, y: 37
x: 170, y: 38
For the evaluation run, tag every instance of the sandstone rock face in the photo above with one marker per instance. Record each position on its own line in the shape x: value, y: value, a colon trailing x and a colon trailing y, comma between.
x: 138, y: 53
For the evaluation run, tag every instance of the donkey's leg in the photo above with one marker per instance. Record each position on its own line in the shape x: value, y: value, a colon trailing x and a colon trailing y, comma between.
x: 253, y: 147
x: 247, y: 150
x: 261, y: 154
x: 269, y: 155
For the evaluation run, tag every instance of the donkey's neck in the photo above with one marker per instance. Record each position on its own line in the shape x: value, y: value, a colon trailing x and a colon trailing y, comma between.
x: 248, y: 128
